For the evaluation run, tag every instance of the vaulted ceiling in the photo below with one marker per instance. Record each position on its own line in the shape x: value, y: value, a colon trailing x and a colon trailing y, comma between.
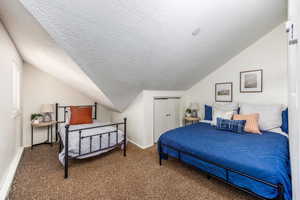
x: 126, y: 46
x: 38, y: 49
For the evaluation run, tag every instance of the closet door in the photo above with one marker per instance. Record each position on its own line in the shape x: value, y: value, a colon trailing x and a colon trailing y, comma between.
x: 161, y: 112
x: 166, y: 116
x: 173, y: 116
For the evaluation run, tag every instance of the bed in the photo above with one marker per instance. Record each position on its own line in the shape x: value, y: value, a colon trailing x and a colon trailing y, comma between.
x: 87, y: 140
x: 257, y: 164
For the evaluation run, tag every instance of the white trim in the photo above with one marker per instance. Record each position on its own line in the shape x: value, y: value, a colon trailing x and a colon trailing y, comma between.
x: 5, y: 188
x: 16, y: 113
x: 140, y: 146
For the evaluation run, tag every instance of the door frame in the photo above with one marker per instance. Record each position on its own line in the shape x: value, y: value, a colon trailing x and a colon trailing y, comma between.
x: 293, y: 94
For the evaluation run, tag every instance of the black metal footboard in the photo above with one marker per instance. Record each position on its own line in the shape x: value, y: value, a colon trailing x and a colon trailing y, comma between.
x: 94, y: 137
x: 278, y: 187
x: 98, y: 136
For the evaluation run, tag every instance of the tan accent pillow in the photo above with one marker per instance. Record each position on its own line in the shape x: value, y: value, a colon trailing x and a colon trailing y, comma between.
x: 251, y: 125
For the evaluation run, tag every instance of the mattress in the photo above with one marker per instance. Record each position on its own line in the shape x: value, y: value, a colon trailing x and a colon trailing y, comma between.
x: 265, y: 156
x: 86, y: 145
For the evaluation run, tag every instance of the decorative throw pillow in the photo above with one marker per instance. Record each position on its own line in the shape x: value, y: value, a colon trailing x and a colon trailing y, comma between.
x: 236, y: 126
x: 81, y: 115
x: 285, y: 121
x: 269, y: 115
x: 227, y: 107
x: 68, y: 115
x: 221, y: 114
x: 208, y: 112
x: 251, y: 125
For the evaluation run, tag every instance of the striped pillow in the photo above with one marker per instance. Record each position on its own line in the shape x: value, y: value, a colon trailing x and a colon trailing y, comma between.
x: 251, y: 125
x: 236, y: 126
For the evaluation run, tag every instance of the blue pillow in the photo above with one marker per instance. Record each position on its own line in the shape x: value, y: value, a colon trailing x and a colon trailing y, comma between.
x: 238, y: 110
x: 285, y: 121
x: 208, y: 112
x: 236, y: 126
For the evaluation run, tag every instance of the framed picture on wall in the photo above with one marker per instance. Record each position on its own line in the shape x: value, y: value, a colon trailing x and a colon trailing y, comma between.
x: 223, y: 92
x: 251, y: 81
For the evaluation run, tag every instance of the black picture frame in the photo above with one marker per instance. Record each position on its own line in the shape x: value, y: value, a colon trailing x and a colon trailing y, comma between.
x: 216, y: 91
x: 261, y: 81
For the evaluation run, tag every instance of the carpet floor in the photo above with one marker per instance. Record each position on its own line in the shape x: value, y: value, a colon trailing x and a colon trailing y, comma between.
x: 114, y: 177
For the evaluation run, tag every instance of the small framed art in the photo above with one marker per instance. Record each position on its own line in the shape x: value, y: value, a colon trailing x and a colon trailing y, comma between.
x: 251, y: 81
x: 223, y: 92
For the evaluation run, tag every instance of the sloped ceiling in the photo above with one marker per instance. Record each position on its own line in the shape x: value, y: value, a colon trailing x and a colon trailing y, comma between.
x: 126, y: 46
x: 38, y: 49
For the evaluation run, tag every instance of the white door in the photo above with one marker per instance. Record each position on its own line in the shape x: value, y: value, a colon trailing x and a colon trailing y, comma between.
x: 173, y: 113
x: 166, y: 115
x: 160, y: 117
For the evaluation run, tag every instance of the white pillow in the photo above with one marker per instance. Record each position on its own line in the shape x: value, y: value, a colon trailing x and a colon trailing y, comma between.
x: 221, y: 114
x: 227, y: 106
x: 68, y: 115
x: 269, y: 115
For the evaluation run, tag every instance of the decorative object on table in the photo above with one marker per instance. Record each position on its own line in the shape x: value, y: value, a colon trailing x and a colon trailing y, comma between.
x: 188, y: 112
x: 194, y: 108
x: 223, y: 92
x: 47, y: 110
x: 251, y: 81
x: 36, y: 118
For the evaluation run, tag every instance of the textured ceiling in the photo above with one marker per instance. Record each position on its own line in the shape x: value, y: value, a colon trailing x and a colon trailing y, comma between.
x: 126, y: 46
x: 40, y: 50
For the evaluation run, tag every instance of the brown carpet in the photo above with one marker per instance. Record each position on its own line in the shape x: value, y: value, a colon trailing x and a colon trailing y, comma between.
x: 113, y: 177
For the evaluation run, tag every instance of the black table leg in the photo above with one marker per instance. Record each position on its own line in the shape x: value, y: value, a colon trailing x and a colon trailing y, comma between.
x: 31, y: 137
x: 51, y: 135
x: 56, y: 136
x: 48, y: 133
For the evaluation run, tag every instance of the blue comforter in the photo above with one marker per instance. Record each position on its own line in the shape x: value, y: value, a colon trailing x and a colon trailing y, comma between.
x: 263, y: 156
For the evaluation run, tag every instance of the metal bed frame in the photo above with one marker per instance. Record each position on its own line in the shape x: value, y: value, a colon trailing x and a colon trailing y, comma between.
x: 278, y: 187
x: 91, y: 137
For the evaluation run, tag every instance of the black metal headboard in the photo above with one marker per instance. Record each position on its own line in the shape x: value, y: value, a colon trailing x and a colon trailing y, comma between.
x: 57, y: 107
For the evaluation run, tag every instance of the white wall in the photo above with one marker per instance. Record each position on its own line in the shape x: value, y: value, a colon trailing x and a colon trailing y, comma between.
x: 135, y: 120
x: 268, y: 53
x: 10, y: 125
x: 140, y: 116
x: 41, y: 88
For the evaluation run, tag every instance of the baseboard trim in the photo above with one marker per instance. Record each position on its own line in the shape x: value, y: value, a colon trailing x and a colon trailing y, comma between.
x: 140, y: 146
x: 11, y: 174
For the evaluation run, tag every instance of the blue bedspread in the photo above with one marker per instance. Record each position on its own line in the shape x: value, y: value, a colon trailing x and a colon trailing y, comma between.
x: 263, y: 156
